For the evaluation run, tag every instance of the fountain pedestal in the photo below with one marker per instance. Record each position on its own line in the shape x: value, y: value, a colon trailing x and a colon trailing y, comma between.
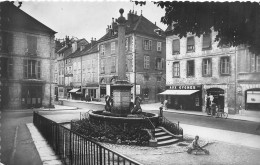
x: 122, y: 97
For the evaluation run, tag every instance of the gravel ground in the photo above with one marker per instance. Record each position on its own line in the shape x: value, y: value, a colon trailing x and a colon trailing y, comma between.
x: 220, y: 153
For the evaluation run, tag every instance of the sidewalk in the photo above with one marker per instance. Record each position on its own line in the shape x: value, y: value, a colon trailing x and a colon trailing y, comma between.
x: 242, y: 116
x: 255, y: 117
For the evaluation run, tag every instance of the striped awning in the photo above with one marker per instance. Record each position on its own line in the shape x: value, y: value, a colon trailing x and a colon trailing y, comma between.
x: 178, y: 92
x: 74, y: 90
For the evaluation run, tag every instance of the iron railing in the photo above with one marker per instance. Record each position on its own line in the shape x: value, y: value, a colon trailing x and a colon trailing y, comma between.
x: 171, y: 127
x: 75, y: 149
x: 151, y: 127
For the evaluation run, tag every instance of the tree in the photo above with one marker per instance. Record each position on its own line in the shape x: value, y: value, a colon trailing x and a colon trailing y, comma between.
x: 237, y: 23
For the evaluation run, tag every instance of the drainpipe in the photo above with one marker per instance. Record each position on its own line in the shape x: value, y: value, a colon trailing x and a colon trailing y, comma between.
x: 236, y: 80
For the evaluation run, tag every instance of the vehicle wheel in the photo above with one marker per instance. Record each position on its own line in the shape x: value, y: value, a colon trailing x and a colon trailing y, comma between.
x: 224, y: 115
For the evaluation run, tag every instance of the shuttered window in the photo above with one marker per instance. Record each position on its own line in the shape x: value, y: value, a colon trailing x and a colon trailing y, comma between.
x: 206, y: 67
x: 176, y: 47
x: 190, y: 44
x: 6, y: 42
x: 32, y: 45
x: 190, y: 68
x: 206, y: 44
x: 32, y: 69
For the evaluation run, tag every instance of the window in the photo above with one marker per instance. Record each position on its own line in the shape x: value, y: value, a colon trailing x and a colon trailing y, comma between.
x: 176, y: 47
x: 126, y: 44
x: 224, y: 65
x: 176, y: 69
x: 159, y: 78
x: 146, y: 62
x: 206, y: 67
x: 32, y: 45
x: 190, y: 68
x: 113, y: 64
x: 102, y: 49
x: 159, y: 46
x: 113, y: 47
x: 147, y: 44
x: 6, y: 42
x: 206, y: 43
x: 6, y: 69
x: 255, y: 63
x: 159, y: 63
x: 32, y: 69
x: 190, y: 44
x: 102, y: 66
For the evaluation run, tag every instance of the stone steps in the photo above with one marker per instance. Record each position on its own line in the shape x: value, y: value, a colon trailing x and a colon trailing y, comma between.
x: 163, y: 138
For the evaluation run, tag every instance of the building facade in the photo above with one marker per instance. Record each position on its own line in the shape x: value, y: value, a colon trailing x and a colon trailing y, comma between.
x: 248, y: 80
x: 26, y: 55
x: 198, y: 69
x: 145, y: 58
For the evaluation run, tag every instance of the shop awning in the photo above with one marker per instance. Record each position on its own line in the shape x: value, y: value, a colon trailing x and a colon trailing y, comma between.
x: 178, y: 92
x: 74, y: 90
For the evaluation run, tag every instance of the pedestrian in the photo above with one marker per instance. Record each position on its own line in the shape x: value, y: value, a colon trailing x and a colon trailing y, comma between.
x: 194, y: 146
x: 165, y: 104
x: 161, y: 111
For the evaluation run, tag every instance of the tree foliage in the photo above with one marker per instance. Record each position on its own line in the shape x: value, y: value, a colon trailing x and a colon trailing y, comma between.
x: 236, y: 22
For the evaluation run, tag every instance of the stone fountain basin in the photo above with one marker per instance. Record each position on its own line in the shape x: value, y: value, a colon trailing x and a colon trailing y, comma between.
x: 104, y: 116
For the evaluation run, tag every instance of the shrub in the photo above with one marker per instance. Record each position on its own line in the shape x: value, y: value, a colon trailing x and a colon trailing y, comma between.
x: 111, y: 133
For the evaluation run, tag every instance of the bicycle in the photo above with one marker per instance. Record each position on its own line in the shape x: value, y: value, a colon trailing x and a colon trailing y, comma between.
x: 221, y: 113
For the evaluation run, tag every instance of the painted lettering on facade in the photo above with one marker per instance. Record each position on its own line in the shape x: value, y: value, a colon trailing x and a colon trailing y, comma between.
x: 185, y: 87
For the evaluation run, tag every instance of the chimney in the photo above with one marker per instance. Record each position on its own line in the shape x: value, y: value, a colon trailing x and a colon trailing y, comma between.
x: 107, y: 29
x: 155, y: 23
x: 67, y: 40
x: 20, y: 4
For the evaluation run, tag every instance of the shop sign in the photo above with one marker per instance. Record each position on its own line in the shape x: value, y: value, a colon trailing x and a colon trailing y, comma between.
x: 185, y: 87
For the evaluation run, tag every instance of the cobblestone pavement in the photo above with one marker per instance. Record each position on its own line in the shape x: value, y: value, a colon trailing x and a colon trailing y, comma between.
x: 220, y: 153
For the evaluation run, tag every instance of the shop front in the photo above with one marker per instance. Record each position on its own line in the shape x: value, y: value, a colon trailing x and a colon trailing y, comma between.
x: 184, y: 97
x: 252, y: 99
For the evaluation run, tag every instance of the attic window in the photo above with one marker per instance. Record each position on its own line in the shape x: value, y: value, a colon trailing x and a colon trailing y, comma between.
x: 81, y: 47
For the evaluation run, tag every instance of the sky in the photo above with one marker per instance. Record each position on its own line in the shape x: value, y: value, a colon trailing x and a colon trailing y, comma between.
x: 86, y: 19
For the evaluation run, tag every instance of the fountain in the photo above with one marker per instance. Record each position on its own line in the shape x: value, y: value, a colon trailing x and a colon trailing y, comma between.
x: 119, y: 110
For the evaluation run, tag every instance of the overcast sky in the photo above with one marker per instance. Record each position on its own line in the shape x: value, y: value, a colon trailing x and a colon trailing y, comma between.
x: 86, y: 19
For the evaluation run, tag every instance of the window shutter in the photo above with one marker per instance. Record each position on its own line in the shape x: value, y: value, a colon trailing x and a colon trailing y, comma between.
x: 176, y: 46
x: 39, y: 70
x: 190, y: 41
x: 10, y: 67
x: 25, y: 68
x: 206, y: 41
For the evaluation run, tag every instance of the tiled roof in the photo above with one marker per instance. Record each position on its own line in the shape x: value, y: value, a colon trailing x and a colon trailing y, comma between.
x: 137, y: 24
x: 14, y: 18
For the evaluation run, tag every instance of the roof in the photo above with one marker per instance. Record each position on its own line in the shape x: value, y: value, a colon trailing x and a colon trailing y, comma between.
x: 15, y: 18
x: 137, y: 24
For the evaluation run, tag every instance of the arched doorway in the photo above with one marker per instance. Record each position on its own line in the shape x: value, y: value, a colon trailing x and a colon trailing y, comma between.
x: 252, y: 99
x: 218, y: 96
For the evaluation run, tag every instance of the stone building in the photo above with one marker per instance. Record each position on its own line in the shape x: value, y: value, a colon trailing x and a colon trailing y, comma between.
x: 26, y: 54
x: 248, y: 80
x: 197, y: 68
x: 145, y: 58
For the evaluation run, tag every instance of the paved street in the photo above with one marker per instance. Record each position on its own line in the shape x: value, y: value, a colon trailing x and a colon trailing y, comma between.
x: 17, y: 144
